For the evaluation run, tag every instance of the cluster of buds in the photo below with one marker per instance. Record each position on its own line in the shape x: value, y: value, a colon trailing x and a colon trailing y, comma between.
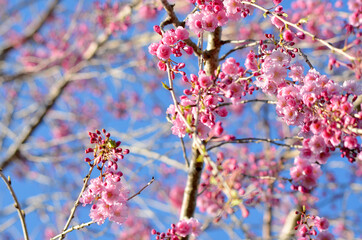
x: 183, y: 228
x: 308, y: 225
x: 106, y: 150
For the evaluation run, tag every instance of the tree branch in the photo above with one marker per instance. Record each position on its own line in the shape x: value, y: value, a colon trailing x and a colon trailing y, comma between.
x: 21, y: 213
x: 72, y: 212
x: 257, y: 140
x: 77, y: 227
x: 31, y: 30
x: 53, y: 96
x: 324, y: 42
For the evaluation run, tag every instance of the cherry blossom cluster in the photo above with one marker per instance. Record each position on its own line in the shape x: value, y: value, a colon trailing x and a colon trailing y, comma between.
x: 171, y: 43
x: 322, y: 21
x: 183, y: 228
x: 109, y: 198
x: 325, y: 121
x: 355, y: 19
x: 106, y: 193
x: 108, y: 16
x: 322, y: 108
x: 216, y: 13
x: 309, y: 224
x: 229, y: 85
x: 304, y: 174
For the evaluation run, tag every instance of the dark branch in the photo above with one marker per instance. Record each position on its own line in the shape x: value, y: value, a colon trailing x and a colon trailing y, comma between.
x: 139, y: 192
x: 257, y: 140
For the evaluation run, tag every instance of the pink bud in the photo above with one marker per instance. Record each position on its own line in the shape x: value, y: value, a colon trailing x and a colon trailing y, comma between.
x: 288, y: 35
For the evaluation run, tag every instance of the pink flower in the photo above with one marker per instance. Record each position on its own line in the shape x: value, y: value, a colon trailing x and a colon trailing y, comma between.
x: 163, y: 51
x: 87, y: 198
x: 182, y: 33
x: 183, y: 228
x: 317, y: 127
x: 250, y: 62
x: 118, y: 213
x: 232, y: 6
x: 309, y: 99
x: 296, y: 173
x: 110, y: 194
x: 353, y: 87
x: 289, y: 115
x: 209, y: 22
x: 195, y: 226
x: 276, y: 73
x: 350, y: 142
x: 169, y: 38
x: 317, y: 144
x: 194, y: 22
x: 205, y: 81
x: 189, y: 50
x: 162, y: 66
x: 279, y: 58
x: 221, y: 17
x: 97, y: 214
x: 302, y: 230
x: 277, y: 22
x: 321, y: 223
x: 296, y: 72
x: 153, y: 48
x: 175, y: 199
x: 230, y: 67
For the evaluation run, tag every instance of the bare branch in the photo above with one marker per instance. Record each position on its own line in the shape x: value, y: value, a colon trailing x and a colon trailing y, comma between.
x: 139, y: 192
x: 257, y: 140
x: 72, y: 212
x: 77, y: 227
x: 250, y: 44
x: 53, y: 96
x: 184, y: 152
x: 249, y: 101
x: 21, y: 213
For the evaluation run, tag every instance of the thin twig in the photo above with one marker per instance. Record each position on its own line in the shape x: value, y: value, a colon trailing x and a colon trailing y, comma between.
x: 305, y: 58
x: 21, y: 213
x: 257, y: 140
x: 139, y: 192
x: 52, y: 97
x: 184, y: 152
x: 251, y: 44
x: 72, y: 212
x: 249, y: 101
x: 77, y: 227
